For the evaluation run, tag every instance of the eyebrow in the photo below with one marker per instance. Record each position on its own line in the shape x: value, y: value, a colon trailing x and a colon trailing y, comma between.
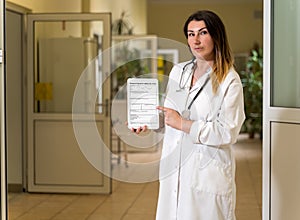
x: 197, y: 30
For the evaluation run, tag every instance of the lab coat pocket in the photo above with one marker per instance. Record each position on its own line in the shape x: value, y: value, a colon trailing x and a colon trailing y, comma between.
x: 211, y: 176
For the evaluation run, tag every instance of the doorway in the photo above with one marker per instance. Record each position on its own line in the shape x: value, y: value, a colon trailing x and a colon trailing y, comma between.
x: 41, y: 101
x: 68, y: 94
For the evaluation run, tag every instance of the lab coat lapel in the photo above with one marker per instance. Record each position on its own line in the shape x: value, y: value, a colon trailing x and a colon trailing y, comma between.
x: 200, y: 82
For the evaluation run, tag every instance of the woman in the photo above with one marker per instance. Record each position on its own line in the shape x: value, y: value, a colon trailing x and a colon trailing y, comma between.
x: 204, y: 112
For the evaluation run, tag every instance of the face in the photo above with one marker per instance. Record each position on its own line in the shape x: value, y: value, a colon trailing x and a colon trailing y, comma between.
x: 200, y: 41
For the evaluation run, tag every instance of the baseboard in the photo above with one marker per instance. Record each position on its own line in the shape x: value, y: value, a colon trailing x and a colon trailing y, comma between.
x: 15, y: 188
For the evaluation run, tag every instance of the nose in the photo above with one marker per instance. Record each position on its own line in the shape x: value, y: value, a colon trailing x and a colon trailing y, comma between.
x: 197, y: 38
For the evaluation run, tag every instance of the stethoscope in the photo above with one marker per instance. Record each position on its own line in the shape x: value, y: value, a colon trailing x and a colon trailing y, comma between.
x: 182, y: 85
x: 187, y: 112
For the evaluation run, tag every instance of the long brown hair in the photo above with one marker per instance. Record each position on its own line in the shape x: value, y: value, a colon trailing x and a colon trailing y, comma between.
x: 223, y: 55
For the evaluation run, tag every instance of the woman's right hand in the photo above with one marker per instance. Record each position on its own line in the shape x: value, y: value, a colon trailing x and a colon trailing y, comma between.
x: 175, y: 120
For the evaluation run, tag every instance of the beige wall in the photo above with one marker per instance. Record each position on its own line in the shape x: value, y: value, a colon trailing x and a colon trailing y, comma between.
x: 136, y: 9
x: 167, y: 20
x: 50, y: 5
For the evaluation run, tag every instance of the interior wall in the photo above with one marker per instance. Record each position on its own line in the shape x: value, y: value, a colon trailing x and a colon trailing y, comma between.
x: 135, y: 12
x: 167, y: 19
x: 243, y: 28
x: 243, y: 21
x: 45, y: 6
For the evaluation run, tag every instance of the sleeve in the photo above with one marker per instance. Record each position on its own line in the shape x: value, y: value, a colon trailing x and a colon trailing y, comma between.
x: 225, y: 127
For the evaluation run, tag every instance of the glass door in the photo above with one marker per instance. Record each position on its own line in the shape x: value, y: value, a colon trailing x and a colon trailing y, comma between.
x: 281, y: 177
x: 68, y: 98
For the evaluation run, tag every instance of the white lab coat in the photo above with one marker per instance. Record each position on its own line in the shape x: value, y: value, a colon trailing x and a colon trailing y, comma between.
x: 197, y: 170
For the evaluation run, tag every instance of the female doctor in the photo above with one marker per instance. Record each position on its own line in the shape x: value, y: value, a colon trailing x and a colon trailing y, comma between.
x: 203, y: 113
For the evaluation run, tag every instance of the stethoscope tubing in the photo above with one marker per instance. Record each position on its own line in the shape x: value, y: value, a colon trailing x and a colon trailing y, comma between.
x: 181, y: 87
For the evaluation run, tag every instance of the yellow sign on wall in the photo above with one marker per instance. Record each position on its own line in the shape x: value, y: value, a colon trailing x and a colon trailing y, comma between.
x: 43, y: 91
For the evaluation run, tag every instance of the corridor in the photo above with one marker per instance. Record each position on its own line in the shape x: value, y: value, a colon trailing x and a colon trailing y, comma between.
x: 138, y: 201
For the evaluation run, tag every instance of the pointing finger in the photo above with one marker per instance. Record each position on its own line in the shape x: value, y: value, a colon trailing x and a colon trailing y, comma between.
x: 162, y: 108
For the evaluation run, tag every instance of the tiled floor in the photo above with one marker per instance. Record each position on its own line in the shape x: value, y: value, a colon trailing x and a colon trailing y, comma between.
x: 138, y: 201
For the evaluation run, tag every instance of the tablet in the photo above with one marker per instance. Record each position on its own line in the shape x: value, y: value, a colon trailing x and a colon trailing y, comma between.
x: 142, y: 100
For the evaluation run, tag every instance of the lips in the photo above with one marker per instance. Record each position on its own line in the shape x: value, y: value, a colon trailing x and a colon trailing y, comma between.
x: 198, y: 48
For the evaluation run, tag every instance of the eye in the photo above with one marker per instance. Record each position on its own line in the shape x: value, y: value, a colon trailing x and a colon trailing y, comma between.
x: 204, y: 32
x: 191, y: 34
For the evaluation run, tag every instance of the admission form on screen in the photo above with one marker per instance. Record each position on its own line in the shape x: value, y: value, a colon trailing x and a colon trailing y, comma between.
x: 142, y: 99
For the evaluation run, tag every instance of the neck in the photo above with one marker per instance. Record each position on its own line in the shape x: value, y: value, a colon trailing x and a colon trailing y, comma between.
x: 200, y: 69
x: 205, y: 63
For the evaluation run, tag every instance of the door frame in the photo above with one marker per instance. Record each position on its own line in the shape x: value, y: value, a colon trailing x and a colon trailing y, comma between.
x: 3, y: 166
x: 22, y: 11
x: 271, y: 115
x: 32, y: 116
